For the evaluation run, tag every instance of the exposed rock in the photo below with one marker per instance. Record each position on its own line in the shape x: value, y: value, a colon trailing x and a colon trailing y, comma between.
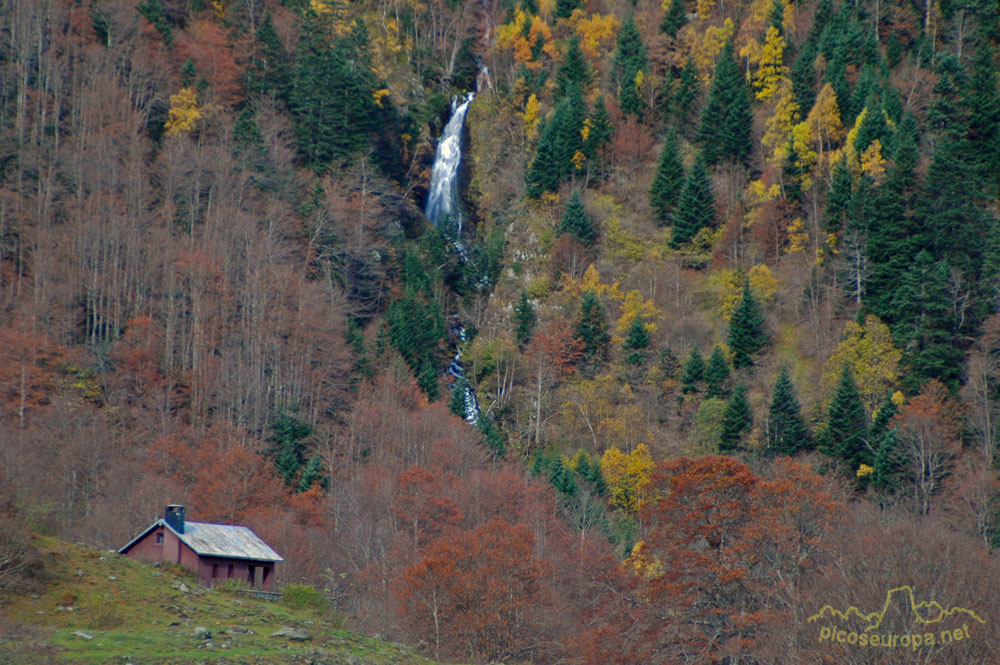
x: 242, y: 629
x: 83, y: 635
x: 180, y: 586
x: 291, y: 633
x: 112, y: 578
x: 202, y: 633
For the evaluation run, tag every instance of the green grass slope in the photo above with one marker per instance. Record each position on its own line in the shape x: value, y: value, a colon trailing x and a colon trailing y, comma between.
x: 137, y: 613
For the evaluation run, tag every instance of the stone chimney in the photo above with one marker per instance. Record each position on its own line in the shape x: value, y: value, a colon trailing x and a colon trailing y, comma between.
x: 175, y: 518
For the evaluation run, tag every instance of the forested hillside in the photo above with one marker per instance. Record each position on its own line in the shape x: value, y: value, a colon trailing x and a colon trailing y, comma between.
x: 725, y: 287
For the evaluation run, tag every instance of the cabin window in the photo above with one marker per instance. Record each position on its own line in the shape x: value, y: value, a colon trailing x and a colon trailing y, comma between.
x: 229, y: 571
x: 159, y: 537
x: 215, y: 570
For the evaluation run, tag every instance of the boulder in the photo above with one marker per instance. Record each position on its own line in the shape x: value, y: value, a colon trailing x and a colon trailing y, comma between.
x: 291, y: 634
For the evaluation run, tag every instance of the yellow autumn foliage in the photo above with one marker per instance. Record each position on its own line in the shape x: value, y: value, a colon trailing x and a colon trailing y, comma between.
x: 635, y: 305
x: 873, y: 358
x: 872, y: 162
x: 184, y: 112
x: 531, y: 116
x: 597, y: 33
x: 780, y: 124
x: 727, y: 284
x: 627, y: 476
x: 798, y: 236
x: 771, y: 69
x: 705, y: 47
x: 591, y: 281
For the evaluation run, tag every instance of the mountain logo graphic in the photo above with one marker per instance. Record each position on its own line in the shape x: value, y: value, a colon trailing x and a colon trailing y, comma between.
x: 924, y: 623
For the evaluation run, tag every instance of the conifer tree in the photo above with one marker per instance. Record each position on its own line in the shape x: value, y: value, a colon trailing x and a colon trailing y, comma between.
x: 636, y: 342
x: 524, y: 313
x: 631, y: 64
x: 598, y: 132
x: 592, y: 328
x: 846, y: 433
x: 924, y: 325
x: 491, y: 435
x: 666, y: 187
x: 786, y: 430
x: 716, y: 373
x: 683, y: 100
x: 267, y: 72
x: 804, y: 79
x: 983, y: 104
x: 669, y: 363
x: 576, y: 222
x: 331, y: 95
x: 838, y: 200
x: 547, y: 169
x: 565, y: 7
x: 312, y: 474
x: 747, y: 334
x: 736, y: 422
x: 888, y: 464
x: 724, y: 130
x: 457, y: 403
x: 573, y: 70
x: 674, y: 18
x: 694, y: 372
x: 563, y: 478
x: 696, y: 206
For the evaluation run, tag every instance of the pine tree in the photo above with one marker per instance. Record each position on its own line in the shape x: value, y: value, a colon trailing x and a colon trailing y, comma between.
x: 563, y: 478
x: 683, y: 100
x: 547, y: 169
x: 636, y: 342
x: 736, y: 422
x: 846, y: 433
x: 694, y: 372
x: 599, y: 131
x: 524, y: 313
x: 312, y: 474
x: 153, y: 12
x: 674, y: 18
x: 888, y: 464
x: 457, y: 403
x: 631, y: 64
x: 716, y: 374
x: 747, y: 334
x: 804, y: 79
x: 491, y: 435
x: 982, y: 102
x: 924, y: 325
x: 267, y: 72
x: 669, y: 363
x: 576, y: 222
x: 573, y: 70
x: 592, y: 328
x: 786, y: 431
x: 669, y: 178
x: 724, y: 130
x: 838, y: 200
x: 331, y: 96
x: 565, y: 7
x: 696, y: 206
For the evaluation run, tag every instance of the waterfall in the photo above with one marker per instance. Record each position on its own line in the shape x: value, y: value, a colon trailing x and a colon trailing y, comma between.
x: 442, y: 203
x: 442, y: 199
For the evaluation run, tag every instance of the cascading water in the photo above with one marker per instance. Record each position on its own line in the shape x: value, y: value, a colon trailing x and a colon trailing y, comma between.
x: 442, y: 199
x: 443, y: 203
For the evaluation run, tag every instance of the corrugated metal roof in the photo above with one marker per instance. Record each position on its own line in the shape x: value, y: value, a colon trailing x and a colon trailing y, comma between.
x: 225, y: 540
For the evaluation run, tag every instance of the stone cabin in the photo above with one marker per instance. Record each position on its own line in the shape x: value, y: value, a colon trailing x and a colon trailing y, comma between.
x: 215, y: 552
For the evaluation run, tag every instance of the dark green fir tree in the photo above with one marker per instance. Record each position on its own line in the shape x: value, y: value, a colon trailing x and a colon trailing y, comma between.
x: 682, y: 101
x: 574, y: 69
x: 576, y: 222
x: 674, y: 18
x: 747, y: 331
x: 736, y: 421
x: 636, y: 342
x: 457, y: 403
x: 599, y: 132
x: 631, y: 63
x: 726, y: 120
x: 694, y: 372
x: 696, y: 205
x: 268, y: 72
x: 592, y: 328
x: 716, y: 374
x: 312, y: 474
x: 667, y: 182
x: 787, y: 433
x: 846, y: 435
x: 491, y: 435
